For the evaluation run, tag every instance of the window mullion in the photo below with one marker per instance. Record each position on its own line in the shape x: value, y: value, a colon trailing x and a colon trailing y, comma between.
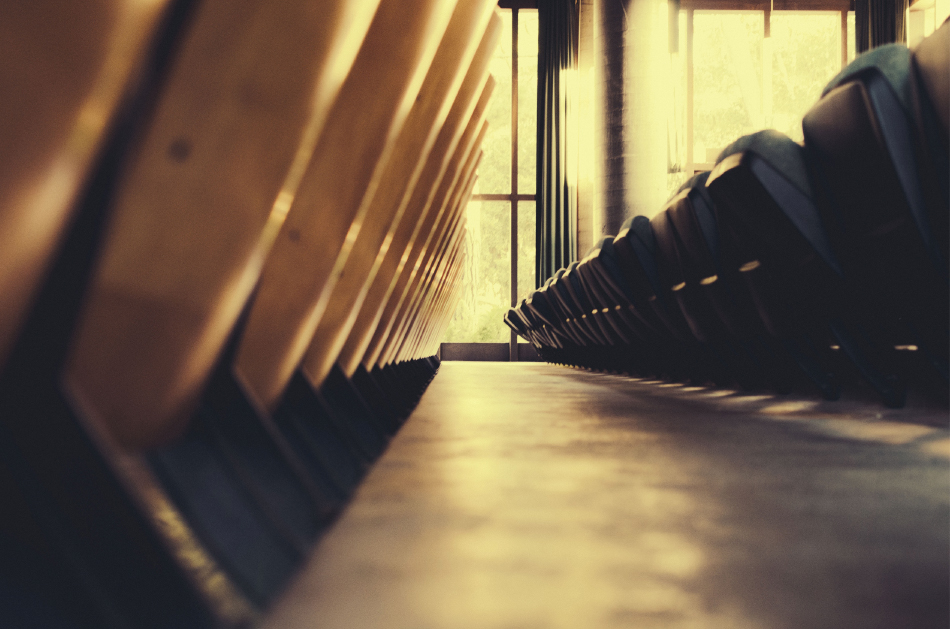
x: 513, y: 343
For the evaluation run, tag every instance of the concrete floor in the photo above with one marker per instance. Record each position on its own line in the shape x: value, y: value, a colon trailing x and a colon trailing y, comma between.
x: 527, y: 496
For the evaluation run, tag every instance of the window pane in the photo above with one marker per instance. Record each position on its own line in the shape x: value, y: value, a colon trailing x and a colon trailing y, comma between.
x: 806, y: 54
x: 676, y: 121
x: 494, y: 174
x: 941, y: 11
x: 486, y: 292
x: 851, y: 43
x: 727, y: 79
x: 527, y: 100
x: 527, y: 218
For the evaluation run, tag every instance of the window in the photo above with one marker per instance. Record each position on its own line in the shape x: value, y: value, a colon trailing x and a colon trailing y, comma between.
x: 747, y: 69
x: 923, y: 17
x: 500, y: 243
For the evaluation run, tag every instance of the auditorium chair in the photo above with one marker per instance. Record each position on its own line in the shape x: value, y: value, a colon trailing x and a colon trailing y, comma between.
x: 78, y: 82
x: 720, y: 304
x: 76, y: 79
x: 683, y: 290
x: 461, y: 123
x: 539, y: 313
x: 865, y: 156
x: 219, y: 135
x: 780, y: 249
x: 444, y: 240
x: 297, y: 496
x: 536, y: 333
x: 420, y: 247
x: 637, y: 255
x: 619, y: 352
x: 787, y: 265
x: 571, y: 313
x: 192, y: 145
x: 546, y: 307
x: 333, y: 428
x: 375, y: 317
x: 605, y: 276
x: 462, y: 46
x: 385, y: 388
x: 539, y: 308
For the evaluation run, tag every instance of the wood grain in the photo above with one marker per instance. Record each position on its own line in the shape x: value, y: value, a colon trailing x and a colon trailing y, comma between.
x: 403, y: 260
x: 426, y: 280
x: 415, y: 141
x: 63, y: 71
x: 471, y: 93
x: 201, y: 202
x: 425, y: 273
x: 434, y: 306
x: 421, y: 251
x: 335, y: 193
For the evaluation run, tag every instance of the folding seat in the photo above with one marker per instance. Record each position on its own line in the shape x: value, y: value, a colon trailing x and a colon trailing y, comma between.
x: 559, y: 317
x: 520, y: 327
x: 441, y: 255
x: 862, y: 146
x: 407, y: 238
x: 720, y: 308
x: 427, y: 249
x: 468, y: 42
x: 604, y: 306
x: 589, y: 310
x: 442, y: 288
x: 426, y: 292
x: 420, y: 247
x: 620, y: 353
x: 544, y: 322
x: 727, y: 363
x: 222, y: 152
x: 328, y: 211
x: 774, y: 242
x: 75, y: 77
x: 387, y: 289
x: 636, y: 252
x: 543, y: 318
x: 438, y: 241
x: 427, y: 285
x: 605, y: 277
x: 388, y: 70
x: 72, y: 76
x: 523, y: 323
x: 574, y: 316
x: 584, y: 320
x: 318, y: 420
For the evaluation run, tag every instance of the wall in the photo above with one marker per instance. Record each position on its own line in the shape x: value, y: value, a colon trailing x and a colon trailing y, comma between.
x: 630, y: 60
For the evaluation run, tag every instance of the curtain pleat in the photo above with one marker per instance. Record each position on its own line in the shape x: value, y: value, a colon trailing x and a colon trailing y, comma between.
x: 556, y: 242
x: 878, y: 22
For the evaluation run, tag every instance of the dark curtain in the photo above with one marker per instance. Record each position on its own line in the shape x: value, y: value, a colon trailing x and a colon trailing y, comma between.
x: 557, y: 182
x: 878, y: 22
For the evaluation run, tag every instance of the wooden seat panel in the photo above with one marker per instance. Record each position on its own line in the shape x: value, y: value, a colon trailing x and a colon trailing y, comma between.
x: 421, y: 251
x: 201, y: 202
x: 455, y: 54
x: 69, y: 67
x: 430, y: 278
x: 331, y: 204
x: 472, y: 101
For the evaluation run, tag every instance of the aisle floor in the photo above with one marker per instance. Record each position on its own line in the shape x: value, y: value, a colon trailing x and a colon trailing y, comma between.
x: 530, y: 496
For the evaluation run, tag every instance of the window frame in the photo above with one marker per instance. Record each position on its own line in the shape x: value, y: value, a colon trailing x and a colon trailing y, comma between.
x: 513, y: 196
x: 843, y: 7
